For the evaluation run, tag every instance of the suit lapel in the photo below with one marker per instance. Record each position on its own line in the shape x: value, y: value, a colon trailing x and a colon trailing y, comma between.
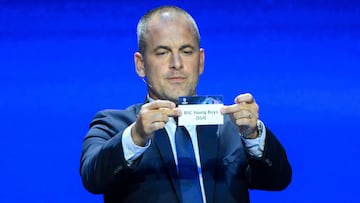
x: 208, y: 148
x: 162, y: 142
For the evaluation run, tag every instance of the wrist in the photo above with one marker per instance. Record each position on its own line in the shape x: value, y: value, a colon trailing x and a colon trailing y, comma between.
x: 137, y: 138
x: 255, y: 133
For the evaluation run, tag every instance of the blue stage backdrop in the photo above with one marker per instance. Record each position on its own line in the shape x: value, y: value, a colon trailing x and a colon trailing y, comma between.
x: 63, y: 60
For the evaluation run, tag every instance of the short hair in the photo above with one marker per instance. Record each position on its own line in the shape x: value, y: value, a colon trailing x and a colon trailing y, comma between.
x: 144, y: 21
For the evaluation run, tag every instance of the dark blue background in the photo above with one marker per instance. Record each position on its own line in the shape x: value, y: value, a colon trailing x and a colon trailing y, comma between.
x: 62, y: 61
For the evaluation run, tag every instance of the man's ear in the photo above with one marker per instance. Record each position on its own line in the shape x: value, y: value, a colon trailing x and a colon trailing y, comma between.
x: 139, y: 64
x: 202, y: 61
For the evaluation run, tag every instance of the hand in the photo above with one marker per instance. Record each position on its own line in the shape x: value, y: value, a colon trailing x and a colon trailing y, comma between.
x: 152, y: 116
x: 245, y: 114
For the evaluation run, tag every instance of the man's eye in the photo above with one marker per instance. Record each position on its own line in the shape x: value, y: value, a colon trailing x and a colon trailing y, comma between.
x: 187, y: 52
x: 161, y: 53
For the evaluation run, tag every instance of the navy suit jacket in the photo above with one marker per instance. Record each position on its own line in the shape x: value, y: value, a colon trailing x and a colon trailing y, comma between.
x: 227, y: 168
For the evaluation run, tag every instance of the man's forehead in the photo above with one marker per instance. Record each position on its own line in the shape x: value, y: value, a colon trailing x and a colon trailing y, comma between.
x: 164, y: 24
x: 159, y: 23
x: 167, y: 17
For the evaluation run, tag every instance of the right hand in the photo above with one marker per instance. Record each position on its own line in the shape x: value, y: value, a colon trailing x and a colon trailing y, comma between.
x: 152, y: 116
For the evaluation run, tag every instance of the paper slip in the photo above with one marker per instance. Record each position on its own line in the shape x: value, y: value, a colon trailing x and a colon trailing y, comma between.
x: 201, y: 110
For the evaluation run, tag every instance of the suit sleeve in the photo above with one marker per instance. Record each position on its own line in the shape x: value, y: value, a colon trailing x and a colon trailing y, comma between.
x: 273, y: 170
x: 102, y: 160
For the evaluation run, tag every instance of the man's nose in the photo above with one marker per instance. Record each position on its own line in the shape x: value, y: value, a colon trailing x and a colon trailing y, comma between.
x: 176, y: 61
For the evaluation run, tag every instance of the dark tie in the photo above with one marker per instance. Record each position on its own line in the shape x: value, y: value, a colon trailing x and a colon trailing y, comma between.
x: 188, y: 170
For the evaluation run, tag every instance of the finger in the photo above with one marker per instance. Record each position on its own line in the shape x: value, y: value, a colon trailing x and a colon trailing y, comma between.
x: 160, y: 104
x: 244, y: 98
x: 253, y: 107
x: 246, y: 122
x: 150, y: 123
x: 171, y: 112
x: 157, y: 126
x: 229, y: 109
x: 234, y: 108
x: 243, y: 114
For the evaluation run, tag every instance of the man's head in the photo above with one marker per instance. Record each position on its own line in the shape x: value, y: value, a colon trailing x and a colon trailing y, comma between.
x: 144, y: 22
x: 169, y: 54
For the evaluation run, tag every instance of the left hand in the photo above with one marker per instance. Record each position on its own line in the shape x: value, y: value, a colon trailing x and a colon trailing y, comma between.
x: 245, y: 114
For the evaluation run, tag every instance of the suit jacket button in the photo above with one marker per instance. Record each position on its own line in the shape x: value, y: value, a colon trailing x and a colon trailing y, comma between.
x: 118, y: 169
x: 268, y: 162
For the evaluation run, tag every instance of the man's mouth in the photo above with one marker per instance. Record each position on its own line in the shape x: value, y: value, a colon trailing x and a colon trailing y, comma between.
x: 176, y: 79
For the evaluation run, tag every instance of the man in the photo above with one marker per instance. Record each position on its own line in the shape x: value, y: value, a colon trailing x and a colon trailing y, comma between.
x: 132, y: 155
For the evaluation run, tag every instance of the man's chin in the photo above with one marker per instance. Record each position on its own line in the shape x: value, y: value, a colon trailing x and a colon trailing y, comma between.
x: 171, y: 95
x: 175, y: 98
